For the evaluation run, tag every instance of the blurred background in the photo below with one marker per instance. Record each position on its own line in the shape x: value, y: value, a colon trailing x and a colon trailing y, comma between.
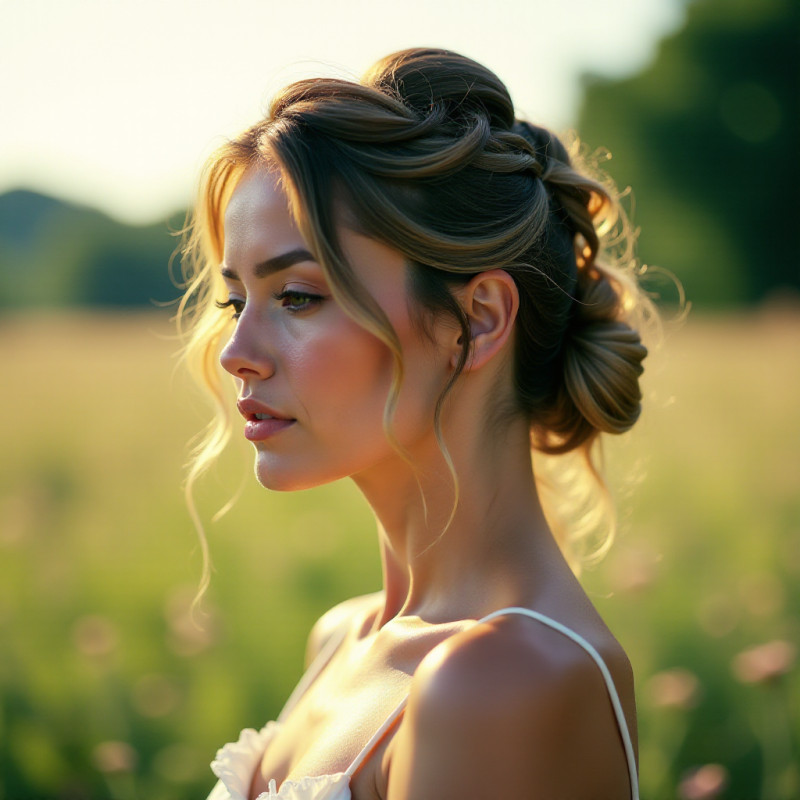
x: 107, y: 688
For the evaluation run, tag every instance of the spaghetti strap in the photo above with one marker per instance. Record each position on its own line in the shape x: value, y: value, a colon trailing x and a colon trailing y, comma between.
x: 569, y: 633
x: 317, y: 665
x: 598, y: 659
x: 377, y: 736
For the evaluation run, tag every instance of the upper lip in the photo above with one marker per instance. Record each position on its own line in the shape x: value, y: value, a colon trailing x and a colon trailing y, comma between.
x: 249, y: 407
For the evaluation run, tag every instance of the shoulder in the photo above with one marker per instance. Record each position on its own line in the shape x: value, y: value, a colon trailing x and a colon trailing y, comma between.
x: 335, y: 619
x: 508, y: 708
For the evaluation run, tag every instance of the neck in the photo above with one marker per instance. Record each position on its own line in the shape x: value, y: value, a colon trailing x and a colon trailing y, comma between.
x: 443, y: 563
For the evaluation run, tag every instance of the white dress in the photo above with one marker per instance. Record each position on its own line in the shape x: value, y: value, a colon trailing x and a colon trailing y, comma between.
x: 237, y: 762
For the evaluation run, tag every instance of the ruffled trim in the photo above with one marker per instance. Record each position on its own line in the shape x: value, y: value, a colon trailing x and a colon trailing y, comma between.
x: 318, y: 787
x: 236, y: 762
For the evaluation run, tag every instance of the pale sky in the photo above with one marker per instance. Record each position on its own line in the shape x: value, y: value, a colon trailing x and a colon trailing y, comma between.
x: 116, y: 103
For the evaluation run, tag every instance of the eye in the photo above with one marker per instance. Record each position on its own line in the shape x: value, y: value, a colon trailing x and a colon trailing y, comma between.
x: 235, y: 304
x: 298, y: 301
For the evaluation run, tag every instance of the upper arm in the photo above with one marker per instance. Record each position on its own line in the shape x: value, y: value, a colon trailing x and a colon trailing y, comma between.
x: 493, y: 716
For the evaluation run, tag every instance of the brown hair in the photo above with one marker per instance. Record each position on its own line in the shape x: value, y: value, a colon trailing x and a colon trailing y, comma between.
x: 427, y: 156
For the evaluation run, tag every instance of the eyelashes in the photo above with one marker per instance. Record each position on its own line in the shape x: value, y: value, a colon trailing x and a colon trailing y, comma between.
x: 290, y: 299
x: 236, y: 305
x: 298, y: 301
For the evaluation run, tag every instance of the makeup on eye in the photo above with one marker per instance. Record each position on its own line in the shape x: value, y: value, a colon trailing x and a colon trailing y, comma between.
x: 294, y: 300
x: 294, y: 281
x: 298, y: 300
x: 234, y: 303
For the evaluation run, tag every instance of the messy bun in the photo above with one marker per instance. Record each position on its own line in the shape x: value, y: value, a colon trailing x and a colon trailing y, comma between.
x: 602, y: 362
x: 426, y: 156
x: 597, y: 387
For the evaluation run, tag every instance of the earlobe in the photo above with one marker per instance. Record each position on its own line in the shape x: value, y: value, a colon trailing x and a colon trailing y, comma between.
x: 490, y: 301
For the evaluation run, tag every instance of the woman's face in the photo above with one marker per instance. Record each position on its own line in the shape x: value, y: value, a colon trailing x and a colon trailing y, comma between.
x: 312, y: 382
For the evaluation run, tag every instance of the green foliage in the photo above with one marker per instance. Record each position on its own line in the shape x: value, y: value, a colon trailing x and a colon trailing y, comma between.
x: 707, y: 137
x: 58, y: 254
x: 108, y: 689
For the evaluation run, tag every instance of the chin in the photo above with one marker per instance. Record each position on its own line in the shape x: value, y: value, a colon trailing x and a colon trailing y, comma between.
x: 280, y: 478
x: 276, y: 482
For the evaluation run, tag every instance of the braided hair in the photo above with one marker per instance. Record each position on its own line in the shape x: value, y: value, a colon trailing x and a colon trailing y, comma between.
x: 426, y: 155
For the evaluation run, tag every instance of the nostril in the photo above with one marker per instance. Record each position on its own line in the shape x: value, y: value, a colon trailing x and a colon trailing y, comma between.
x: 240, y: 363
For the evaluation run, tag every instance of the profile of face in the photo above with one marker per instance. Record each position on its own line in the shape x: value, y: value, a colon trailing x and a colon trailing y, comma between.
x: 313, y: 384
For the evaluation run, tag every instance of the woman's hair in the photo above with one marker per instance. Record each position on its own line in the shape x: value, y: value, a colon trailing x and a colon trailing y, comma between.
x: 426, y: 156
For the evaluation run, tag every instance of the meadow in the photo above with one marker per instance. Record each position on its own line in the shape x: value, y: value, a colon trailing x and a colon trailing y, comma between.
x: 109, y: 690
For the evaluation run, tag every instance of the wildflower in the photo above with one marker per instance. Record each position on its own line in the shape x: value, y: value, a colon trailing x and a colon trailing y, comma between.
x: 764, y: 663
x: 673, y: 688
x: 703, y: 783
x: 114, y: 757
x: 634, y: 571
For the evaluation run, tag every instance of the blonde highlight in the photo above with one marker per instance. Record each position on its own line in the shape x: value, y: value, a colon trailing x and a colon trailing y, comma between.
x: 428, y: 158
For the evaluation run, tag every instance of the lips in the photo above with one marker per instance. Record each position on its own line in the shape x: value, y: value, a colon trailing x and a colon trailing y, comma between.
x: 261, y: 421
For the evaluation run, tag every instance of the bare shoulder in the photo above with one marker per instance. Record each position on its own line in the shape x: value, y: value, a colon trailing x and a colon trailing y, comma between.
x: 334, y: 619
x: 512, y: 708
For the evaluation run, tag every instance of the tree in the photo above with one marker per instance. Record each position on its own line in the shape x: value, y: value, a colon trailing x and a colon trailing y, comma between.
x: 708, y: 136
x: 54, y: 253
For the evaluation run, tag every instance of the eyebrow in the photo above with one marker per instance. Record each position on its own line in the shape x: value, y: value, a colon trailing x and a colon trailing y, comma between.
x: 273, y: 265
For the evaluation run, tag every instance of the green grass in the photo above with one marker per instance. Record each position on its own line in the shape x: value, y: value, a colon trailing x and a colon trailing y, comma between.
x: 99, y: 562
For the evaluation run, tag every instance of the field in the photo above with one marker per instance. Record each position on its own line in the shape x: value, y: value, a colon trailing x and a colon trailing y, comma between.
x: 110, y: 691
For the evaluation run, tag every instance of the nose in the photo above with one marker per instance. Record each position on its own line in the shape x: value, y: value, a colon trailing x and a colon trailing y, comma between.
x: 246, y: 354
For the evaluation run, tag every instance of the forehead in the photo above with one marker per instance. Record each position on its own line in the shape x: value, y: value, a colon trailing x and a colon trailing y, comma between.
x: 257, y: 219
x: 259, y: 227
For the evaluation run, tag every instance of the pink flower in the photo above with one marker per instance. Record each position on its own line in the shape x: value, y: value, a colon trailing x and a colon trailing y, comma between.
x: 634, y: 570
x: 673, y: 688
x: 764, y: 663
x: 114, y: 757
x: 703, y: 783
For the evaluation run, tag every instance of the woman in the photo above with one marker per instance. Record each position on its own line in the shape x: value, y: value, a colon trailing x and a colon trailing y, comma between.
x: 418, y: 299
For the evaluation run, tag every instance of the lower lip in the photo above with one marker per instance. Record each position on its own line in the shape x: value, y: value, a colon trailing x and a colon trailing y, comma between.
x: 257, y: 430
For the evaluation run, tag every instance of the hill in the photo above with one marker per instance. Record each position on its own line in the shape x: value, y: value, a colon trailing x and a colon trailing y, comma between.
x: 54, y: 253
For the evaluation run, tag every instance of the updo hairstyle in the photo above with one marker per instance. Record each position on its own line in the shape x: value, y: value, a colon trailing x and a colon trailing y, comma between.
x: 426, y: 156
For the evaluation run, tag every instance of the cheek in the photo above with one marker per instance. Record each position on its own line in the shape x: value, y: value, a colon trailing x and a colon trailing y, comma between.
x: 340, y: 370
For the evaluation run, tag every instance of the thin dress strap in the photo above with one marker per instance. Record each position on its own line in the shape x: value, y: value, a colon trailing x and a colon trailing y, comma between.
x: 377, y: 736
x: 569, y: 633
x: 316, y: 666
x: 612, y: 689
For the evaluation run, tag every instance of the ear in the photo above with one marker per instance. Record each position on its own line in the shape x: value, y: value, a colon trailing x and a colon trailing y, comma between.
x: 490, y: 301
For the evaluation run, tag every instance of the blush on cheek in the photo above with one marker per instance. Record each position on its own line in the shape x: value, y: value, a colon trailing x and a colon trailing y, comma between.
x: 354, y: 369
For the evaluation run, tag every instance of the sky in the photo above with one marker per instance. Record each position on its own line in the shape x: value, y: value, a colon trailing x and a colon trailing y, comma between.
x: 117, y: 103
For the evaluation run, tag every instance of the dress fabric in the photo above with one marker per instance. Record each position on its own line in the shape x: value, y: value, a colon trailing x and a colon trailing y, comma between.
x: 236, y: 763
